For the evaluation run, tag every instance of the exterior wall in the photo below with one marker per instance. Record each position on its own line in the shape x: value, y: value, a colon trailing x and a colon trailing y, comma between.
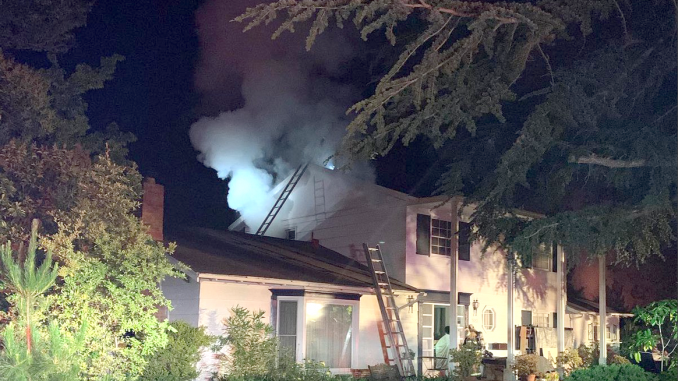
x: 370, y: 351
x: 343, y: 213
x: 579, y: 322
x: 215, y: 303
x: 207, y: 303
x: 185, y: 297
x: 484, y: 276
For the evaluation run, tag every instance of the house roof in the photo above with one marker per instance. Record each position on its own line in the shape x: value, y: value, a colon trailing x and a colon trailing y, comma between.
x: 230, y: 253
x: 578, y: 305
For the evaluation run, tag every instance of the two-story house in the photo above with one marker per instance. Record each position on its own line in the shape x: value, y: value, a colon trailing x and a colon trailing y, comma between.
x: 418, y: 241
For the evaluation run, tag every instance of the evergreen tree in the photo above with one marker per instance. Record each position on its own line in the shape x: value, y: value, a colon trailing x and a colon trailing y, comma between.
x: 36, y: 352
x: 596, y: 143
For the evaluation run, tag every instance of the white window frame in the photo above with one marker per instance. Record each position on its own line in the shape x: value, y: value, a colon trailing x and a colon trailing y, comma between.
x: 541, y: 317
x: 441, y: 236
x: 302, y: 302
x: 355, y: 327
x: 494, y: 319
x: 301, y: 327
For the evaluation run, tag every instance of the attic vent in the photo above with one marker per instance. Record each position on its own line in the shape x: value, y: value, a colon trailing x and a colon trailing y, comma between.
x: 291, y: 233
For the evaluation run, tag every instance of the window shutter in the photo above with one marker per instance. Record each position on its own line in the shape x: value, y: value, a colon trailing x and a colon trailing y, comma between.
x: 555, y: 320
x: 464, y: 241
x: 554, y: 259
x: 423, y: 234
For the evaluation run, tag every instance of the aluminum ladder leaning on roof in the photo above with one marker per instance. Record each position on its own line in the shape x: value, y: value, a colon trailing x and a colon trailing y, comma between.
x: 389, y: 312
x: 296, y: 176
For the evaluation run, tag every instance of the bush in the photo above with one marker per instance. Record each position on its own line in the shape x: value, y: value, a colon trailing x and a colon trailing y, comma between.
x: 669, y: 375
x: 176, y: 362
x: 252, y: 350
x: 467, y: 359
x: 625, y: 372
x: 569, y: 360
x: 526, y: 365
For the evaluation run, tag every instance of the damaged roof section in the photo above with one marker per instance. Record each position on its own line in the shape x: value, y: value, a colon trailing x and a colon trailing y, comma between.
x: 230, y: 253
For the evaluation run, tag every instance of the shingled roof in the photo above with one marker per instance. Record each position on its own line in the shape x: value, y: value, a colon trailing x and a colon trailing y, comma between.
x: 208, y: 251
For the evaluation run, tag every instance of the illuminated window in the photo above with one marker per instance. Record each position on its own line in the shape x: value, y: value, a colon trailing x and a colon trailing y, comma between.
x: 328, y: 327
x: 488, y: 319
x: 441, y: 237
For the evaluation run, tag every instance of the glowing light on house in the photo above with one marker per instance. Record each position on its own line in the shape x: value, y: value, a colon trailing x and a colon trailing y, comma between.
x: 314, y: 310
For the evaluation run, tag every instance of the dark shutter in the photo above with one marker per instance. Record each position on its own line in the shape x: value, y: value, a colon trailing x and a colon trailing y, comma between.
x: 464, y: 241
x: 525, y: 317
x: 423, y: 234
x: 554, y: 261
x: 555, y: 320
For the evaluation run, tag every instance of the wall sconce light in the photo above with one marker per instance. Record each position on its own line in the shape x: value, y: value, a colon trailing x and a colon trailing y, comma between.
x: 475, y: 307
x: 410, y: 300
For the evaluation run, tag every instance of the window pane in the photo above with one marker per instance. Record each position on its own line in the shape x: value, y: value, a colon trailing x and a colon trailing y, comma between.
x: 329, y: 335
x: 288, y: 318
x: 287, y: 327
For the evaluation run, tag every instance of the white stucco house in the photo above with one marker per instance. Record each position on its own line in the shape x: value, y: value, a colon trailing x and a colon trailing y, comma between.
x: 416, y: 236
x: 310, y: 265
x: 320, y: 302
x: 583, y: 316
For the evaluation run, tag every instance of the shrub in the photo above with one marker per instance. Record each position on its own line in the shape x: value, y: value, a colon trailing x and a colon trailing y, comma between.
x: 669, y: 375
x: 617, y: 359
x: 467, y: 359
x: 176, y: 362
x: 589, y: 355
x: 252, y: 349
x: 625, y: 372
x: 526, y: 365
x: 569, y: 360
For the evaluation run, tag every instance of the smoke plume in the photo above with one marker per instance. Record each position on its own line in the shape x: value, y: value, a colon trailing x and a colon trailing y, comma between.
x: 287, y: 110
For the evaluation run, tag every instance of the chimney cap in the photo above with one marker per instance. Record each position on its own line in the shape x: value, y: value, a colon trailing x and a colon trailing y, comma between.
x: 149, y: 180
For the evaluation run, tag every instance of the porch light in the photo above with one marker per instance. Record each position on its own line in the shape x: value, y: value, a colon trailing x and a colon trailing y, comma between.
x: 410, y: 308
x: 475, y: 307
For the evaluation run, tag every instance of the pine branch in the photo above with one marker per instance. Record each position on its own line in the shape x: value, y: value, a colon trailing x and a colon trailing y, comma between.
x: 616, y: 163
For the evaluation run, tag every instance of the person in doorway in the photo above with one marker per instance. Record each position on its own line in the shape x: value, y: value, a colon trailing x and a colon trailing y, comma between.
x: 442, y: 352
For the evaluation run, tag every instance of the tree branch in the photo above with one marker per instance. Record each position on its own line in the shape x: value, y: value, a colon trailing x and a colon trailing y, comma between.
x: 616, y: 163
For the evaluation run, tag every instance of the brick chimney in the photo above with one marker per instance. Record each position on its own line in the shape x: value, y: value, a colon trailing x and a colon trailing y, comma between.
x: 152, y: 207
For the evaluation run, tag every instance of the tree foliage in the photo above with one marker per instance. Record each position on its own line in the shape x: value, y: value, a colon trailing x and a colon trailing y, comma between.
x: 177, y: 361
x: 78, y: 183
x: 595, y: 146
x: 658, y: 323
x: 252, y: 349
x: 35, y: 352
x: 41, y: 25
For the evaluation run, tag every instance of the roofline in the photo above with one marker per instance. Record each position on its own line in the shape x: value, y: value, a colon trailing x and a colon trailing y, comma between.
x: 443, y: 199
x: 244, y: 279
x: 575, y: 307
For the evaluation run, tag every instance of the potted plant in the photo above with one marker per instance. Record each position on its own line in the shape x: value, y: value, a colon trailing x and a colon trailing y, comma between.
x: 526, y: 367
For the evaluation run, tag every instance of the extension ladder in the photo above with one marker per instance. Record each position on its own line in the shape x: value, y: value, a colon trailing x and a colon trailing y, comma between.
x: 389, y: 313
x: 296, y: 176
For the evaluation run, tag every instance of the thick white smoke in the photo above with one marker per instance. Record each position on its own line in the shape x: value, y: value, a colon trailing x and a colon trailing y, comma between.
x: 289, y: 117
